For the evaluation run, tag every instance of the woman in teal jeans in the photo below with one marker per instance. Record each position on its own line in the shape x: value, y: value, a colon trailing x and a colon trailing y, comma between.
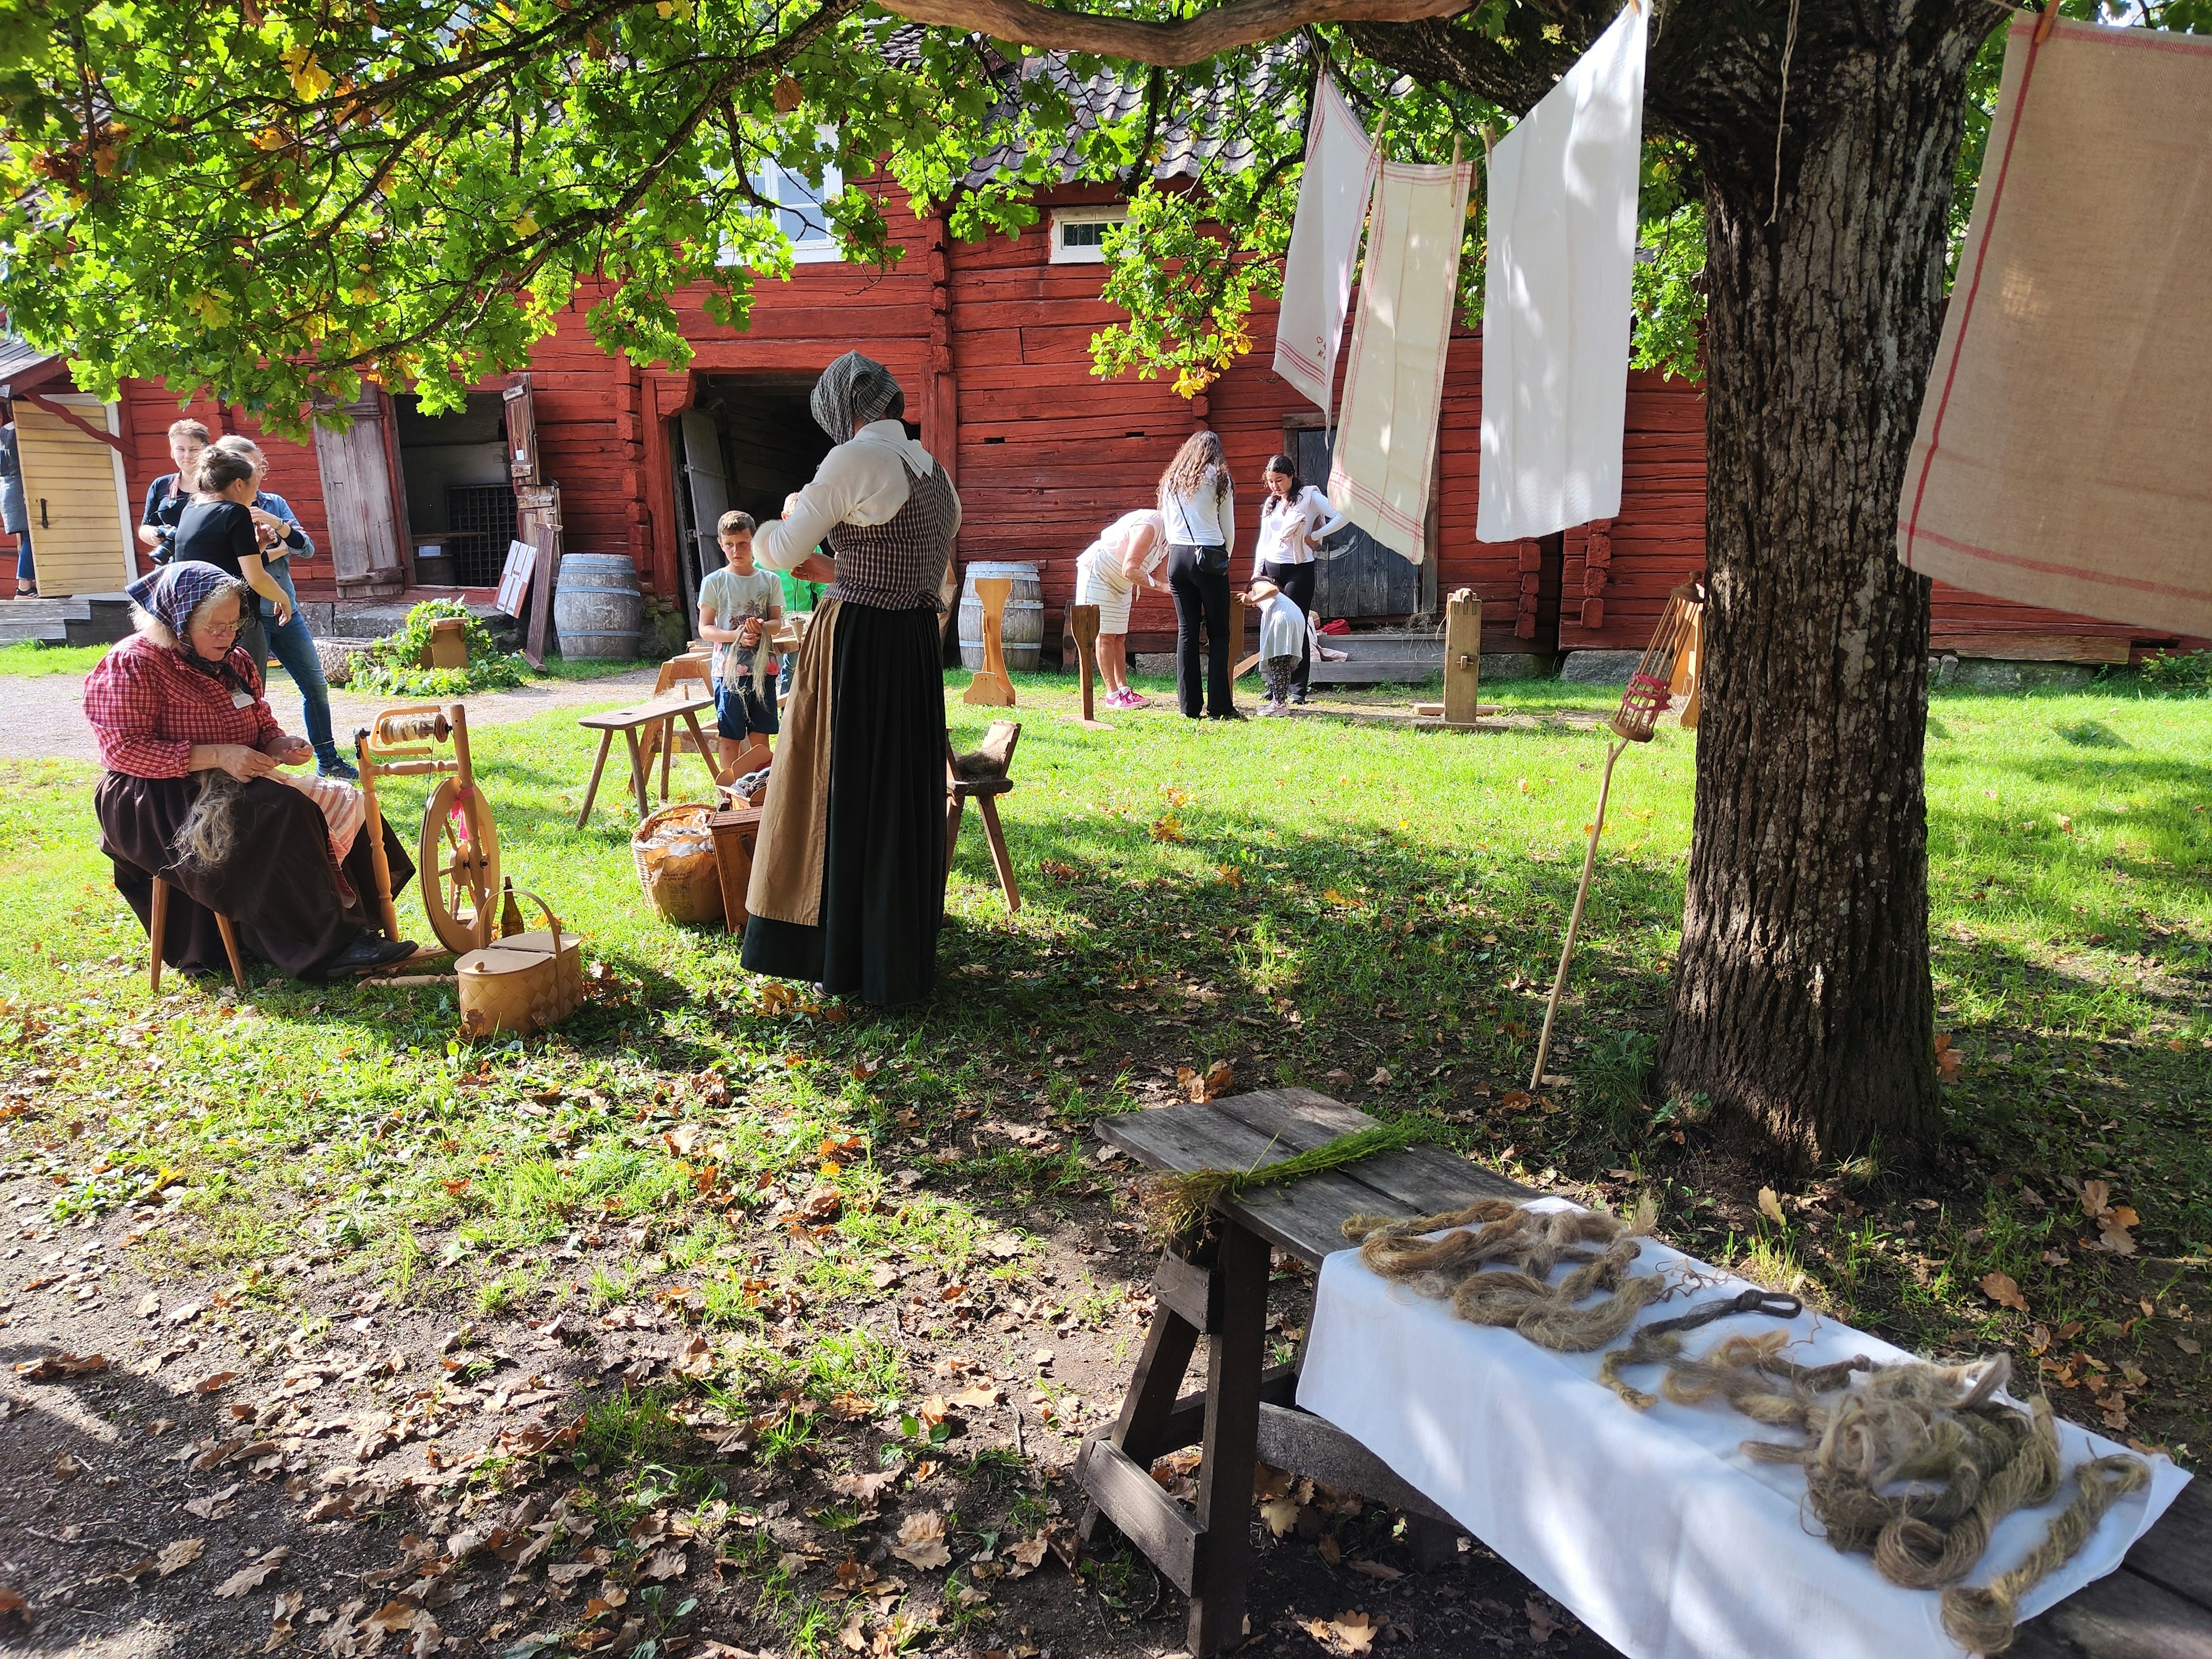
x: 291, y: 642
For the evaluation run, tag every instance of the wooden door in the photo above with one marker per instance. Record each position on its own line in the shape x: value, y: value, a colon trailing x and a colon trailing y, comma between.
x: 1359, y: 576
x: 521, y: 432
x: 356, y: 465
x: 72, y: 490
x: 701, y: 498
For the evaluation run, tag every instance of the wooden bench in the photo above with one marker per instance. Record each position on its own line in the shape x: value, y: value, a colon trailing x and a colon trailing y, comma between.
x: 660, y: 716
x: 2158, y: 1606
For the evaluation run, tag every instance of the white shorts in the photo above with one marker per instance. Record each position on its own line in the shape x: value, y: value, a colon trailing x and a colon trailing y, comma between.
x: 1111, y: 592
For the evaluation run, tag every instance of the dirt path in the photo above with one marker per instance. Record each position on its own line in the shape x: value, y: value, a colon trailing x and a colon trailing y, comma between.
x: 44, y: 718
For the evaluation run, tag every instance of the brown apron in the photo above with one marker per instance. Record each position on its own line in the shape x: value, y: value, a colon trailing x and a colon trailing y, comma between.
x: 795, y: 831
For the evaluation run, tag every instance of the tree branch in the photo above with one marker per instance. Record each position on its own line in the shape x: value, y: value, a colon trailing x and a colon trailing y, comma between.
x: 1170, y: 46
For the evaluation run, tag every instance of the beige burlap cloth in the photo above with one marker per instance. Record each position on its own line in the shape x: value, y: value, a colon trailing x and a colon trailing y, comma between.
x: 2061, y: 458
x: 795, y: 831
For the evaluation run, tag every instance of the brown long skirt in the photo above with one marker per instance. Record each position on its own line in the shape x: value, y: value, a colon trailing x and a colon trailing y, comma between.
x: 280, y: 887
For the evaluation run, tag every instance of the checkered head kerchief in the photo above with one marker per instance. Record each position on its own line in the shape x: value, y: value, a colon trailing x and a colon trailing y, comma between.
x: 853, y: 391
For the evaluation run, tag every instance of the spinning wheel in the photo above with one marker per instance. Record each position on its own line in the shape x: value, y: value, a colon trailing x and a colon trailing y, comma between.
x: 458, y: 865
x: 457, y: 854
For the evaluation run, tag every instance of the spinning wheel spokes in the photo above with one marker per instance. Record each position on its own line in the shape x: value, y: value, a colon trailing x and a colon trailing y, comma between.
x: 460, y: 874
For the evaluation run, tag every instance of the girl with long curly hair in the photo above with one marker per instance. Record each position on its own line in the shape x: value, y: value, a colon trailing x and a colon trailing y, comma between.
x: 1198, y: 505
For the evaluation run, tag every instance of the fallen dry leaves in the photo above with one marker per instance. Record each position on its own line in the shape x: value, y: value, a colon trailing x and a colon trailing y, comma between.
x: 922, y: 1541
x: 174, y: 1557
x: 2114, y: 1222
x: 54, y: 1367
x: 251, y: 1576
x: 2001, y: 1289
x: 1345, y: 1634
x: 1218, y: 1080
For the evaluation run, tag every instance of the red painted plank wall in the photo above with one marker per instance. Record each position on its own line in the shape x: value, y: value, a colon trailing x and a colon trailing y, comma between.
x: 1044, y: 454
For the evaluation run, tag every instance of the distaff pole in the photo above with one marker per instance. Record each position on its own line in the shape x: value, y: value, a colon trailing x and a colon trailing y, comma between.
x: 1670, y: 664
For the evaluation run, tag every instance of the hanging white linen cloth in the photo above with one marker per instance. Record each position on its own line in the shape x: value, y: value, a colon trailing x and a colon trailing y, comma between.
x: 1332, y: 193
x: 2060, y: 459
x: 1394, y: 387
x: 1660, y: 1536
x: 1556, y: 297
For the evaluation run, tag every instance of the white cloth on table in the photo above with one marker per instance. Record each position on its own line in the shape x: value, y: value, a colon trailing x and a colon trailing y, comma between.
x: 1393, y: 386
x: 1332, y: 194
x: 1652, y: 1526
x: 1284, y: 526
x: 863, y: 482
x: 344, y: 809
x: 1556, y: 298
x: 2083, y: 305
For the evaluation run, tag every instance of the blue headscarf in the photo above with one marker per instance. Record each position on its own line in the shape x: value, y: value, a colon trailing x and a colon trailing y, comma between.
x: 171, y: 593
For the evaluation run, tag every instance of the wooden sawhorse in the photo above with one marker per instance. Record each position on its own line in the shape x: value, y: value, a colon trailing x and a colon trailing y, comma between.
x: 1217, y: 1287
x: 662, y: 716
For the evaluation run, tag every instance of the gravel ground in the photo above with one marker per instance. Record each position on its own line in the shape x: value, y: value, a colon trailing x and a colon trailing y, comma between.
x: 45, y: 716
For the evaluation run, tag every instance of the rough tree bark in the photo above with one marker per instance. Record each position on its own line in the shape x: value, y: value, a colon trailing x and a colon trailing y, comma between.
x: 1802, y: 1003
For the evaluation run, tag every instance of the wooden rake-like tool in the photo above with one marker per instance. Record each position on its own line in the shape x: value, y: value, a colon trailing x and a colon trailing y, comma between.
x: 1669, y: 665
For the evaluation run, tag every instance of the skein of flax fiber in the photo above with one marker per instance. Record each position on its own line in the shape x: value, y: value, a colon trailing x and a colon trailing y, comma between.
x: 1981, y: 1618
x: 1460, y: 1267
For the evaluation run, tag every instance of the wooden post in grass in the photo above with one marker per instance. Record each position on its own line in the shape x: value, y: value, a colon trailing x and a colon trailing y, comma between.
x: 1083, y: 624
x: 992, y: 689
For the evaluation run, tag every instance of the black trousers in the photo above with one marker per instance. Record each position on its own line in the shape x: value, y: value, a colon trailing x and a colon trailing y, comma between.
x: 1201, y: 600
x: 1298, y: 582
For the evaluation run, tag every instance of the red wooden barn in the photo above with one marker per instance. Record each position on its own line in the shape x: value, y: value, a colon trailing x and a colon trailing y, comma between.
x: 992, y: 343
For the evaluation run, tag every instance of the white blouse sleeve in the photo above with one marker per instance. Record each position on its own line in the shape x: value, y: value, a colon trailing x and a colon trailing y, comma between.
x: 1318, y: 505
x: 827, y: 500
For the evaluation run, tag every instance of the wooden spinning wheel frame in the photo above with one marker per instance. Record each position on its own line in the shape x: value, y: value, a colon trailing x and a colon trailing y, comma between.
x: 457, y: 861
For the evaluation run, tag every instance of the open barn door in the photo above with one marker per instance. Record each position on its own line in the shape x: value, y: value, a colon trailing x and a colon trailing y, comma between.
x: 360, y: 493
x: 702, y: 495
x: 521, y: 431
x: 1359, y: 576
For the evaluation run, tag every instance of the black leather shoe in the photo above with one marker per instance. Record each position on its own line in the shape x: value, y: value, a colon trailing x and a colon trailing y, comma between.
x: 369, y: 952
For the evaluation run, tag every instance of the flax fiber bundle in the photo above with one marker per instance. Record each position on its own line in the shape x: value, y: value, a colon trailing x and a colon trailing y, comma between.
x: 1494, y: 1264
x: 1914, y: 1466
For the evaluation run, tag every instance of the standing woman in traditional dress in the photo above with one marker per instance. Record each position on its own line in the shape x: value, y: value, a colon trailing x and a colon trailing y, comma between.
x: 848, y: 880
x: 1198, y: 506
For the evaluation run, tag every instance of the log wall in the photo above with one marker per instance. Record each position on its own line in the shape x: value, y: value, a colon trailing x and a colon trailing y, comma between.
x: 993, y: 343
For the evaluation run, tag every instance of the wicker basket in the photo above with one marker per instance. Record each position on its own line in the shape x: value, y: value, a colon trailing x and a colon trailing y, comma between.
x: 674, y: 851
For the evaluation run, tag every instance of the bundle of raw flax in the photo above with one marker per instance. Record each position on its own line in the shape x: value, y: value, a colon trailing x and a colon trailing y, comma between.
x: 1175, y: 1203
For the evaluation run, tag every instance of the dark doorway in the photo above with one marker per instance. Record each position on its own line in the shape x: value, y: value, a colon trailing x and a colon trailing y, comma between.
x: 459, y: 492
x: 1359, y: 576
x: 747, y: 442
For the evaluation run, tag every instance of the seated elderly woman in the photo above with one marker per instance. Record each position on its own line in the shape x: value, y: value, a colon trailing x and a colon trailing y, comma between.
x: 192, y: 794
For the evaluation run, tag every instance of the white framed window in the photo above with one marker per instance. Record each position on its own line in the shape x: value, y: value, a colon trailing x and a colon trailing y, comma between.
x: 799, y: 213
x: 1078, y: 233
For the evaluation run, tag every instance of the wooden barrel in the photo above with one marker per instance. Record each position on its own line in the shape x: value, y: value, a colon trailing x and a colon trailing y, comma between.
x: 596, y: 608
x: 1022, y: 633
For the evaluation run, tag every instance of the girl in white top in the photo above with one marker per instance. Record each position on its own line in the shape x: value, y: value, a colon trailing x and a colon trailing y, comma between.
x: 1198, y: 510
x: 1127, y: 552
x: 1294, y: 520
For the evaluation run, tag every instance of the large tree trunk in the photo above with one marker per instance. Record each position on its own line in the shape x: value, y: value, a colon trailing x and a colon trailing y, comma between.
x: 1802, y: 1004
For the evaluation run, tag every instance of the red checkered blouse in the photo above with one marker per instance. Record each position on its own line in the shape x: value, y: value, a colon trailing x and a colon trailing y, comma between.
x: 147, y: 709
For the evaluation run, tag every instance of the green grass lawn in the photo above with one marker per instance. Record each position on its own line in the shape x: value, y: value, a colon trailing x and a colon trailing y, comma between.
x: 28, y: 657
x: 1341, y: 901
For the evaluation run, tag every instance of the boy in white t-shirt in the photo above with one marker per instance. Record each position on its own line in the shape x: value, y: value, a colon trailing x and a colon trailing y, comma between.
x: 739, y: 608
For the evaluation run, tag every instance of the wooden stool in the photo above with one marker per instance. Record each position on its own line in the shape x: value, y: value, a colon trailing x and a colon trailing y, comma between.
x: 159, y: 927
x: 1217, y: 1288
x: 692, y: 665
x: 984, y: 787
x: 660, y: 717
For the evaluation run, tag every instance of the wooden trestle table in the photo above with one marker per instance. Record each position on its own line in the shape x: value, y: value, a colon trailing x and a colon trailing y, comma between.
x: 2158, y: 1606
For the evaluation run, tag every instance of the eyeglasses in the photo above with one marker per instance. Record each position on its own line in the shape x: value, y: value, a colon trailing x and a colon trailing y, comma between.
x: 232, y: 628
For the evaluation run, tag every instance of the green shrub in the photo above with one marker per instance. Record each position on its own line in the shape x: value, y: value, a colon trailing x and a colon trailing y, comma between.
x: 2178, y: 674
x: 394, y: 667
